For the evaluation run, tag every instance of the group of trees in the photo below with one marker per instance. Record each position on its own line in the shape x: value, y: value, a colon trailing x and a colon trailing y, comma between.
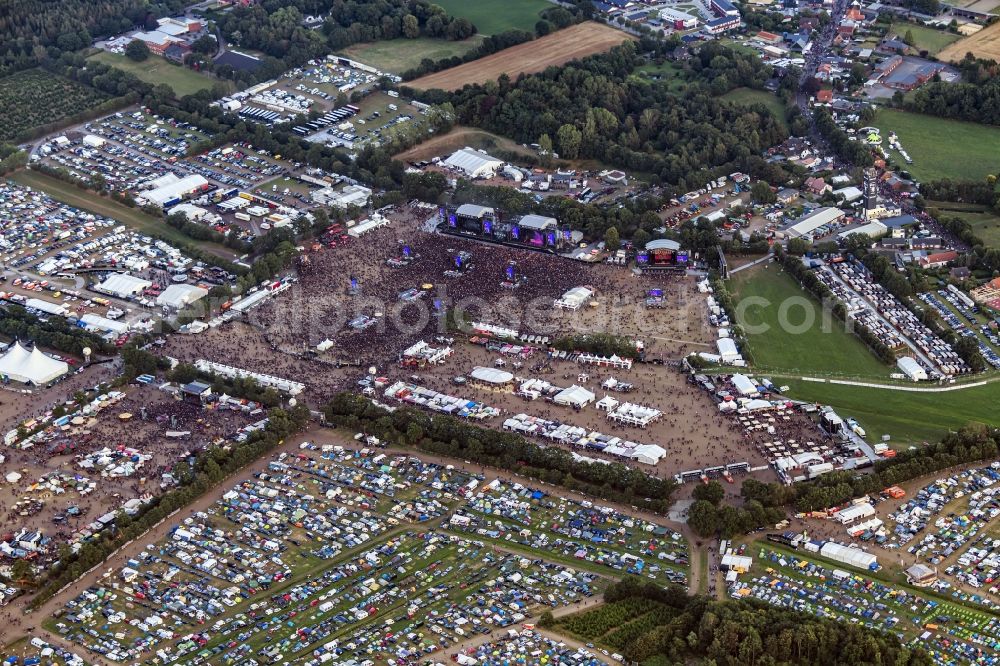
x: 594, y: 109
x: 708, y: 516
x: 54, y: 333
x: 853, y: 152
x: 275, y: 28
x: 34, y: 31
x: 454, y: 438
x: 976, y: 98
x: 488, y: 46
x: 744, y: 632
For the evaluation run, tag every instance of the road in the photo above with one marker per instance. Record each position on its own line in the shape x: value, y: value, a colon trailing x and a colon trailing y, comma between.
x: 30, y: 623
x: 765, y: 258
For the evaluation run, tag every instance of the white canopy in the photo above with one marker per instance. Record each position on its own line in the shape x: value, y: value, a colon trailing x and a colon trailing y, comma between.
x: 32, y: 367
x: 576, y: 396
x: 123, y: 285
x: 491, y: 375
x: 177, y: 296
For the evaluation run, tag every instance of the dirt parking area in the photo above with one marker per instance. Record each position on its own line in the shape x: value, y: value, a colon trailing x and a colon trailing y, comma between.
x: 557, y: 48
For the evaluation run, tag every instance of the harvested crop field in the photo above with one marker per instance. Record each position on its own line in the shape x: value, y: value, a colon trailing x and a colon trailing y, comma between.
x: 555, y: 49
x: 984, y: 44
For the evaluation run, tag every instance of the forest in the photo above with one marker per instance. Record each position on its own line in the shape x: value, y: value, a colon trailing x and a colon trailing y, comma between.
x: 594, y: 109
x: 975, y: 98
x: 32, y: 31
x: 696, y: 629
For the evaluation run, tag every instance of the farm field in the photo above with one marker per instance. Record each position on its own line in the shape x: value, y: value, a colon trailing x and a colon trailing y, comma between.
x: 399, y: 55
x: 907, y: 416
x: 557, y: 48
x: 925, y: 39
x: 156, y: 70
x: 942, y: 148
x: 813, y: 351
x: 984, y: 44
x: 615, y: 625
x: 35, y: 97
x: 88, y: 201
x: 750, y: 96
x: 494, y: 16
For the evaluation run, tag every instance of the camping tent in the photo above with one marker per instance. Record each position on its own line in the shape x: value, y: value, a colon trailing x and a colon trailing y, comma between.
x: 32, y: 367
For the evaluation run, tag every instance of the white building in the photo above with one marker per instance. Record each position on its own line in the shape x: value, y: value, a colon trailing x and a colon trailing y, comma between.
x: 574, y: 299
x: 474, y: 163
x: 728, y: 351
x: 855, y: 557
x: 909, y: 367
x: 574, y: 396
x: 807, y: 224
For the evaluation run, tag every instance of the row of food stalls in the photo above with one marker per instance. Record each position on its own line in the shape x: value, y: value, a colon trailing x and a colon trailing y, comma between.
x: 423, y: 353
x: 439, y: 402
x: 286, y: 386
x: 582, y: 438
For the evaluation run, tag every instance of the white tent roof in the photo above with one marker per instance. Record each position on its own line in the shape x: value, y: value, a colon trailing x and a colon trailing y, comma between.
x: 539, y: 222
x: 122, y: 285
x: 491, y: 375
x: 727, y: 348
x: 744, y: 385
x: 648, y: 453
x: 178, y: 295
x: 473, y: 162
x: 32, y: 367
x: 574, y: 395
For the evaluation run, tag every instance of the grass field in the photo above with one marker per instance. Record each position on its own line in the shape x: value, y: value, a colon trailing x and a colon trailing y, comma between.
x: 494, y: 16
x: 460, y: 137
x: 751, y: 96
x: 156, y: 70
x: 34, y: 97
x: 924, y: 39
x: 669, y: 74
x: 942, y: 148
x: 815, y: 350
x: 984, y: 222
x: 399, y: 55
x: 558, y: 48
x: 133, y: 217
x: 908, y: 417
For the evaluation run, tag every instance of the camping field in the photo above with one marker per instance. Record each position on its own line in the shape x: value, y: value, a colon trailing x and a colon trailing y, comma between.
x: 492, y: 17
x: 750, y: 96
x: 925, y: 39
x: 398, y: 55
x: 941, y: 148
x: 557, y: 48
x: 156, y: 70
x: 906, y: 416
x: 815, y: 350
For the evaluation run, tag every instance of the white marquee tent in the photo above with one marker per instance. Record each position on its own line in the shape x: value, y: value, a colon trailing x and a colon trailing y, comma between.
x: 574, y: 396
x: 33, y: 367
x: 177, y: 296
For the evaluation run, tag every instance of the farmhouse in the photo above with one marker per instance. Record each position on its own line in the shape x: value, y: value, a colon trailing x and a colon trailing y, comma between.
x: 938, y: 259
x: 473, y: 163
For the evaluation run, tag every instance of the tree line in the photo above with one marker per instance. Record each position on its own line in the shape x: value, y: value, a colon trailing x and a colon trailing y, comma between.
x: 449, y: 436
x: 53, y: 333
x: 741, y: 632
x: 976, y: 98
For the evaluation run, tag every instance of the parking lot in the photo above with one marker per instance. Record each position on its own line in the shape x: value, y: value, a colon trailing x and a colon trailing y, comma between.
x: 327, y: 551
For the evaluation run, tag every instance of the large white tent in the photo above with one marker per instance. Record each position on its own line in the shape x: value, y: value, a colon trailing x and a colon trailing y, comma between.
x: 474, y: 163
x: 177, y: 296
x: 123, y: 285
x: 574, y: 396
x: 31, y: 367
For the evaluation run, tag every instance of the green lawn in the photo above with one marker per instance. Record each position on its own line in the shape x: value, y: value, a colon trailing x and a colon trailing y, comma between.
x: 823, y: 348
x: 751, y: 96
x: 941, y: 148
x: 398, y: 55
x: 908, y: 417
x: 155, y: 70
x: 924, y: 39
x: 494, y: 16
x: 670, y: 74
